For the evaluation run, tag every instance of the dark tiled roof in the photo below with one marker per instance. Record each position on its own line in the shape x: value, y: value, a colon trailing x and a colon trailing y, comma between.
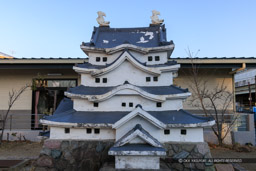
x: 106, y: 37
x: 159, y: 90
x: 167, y: 117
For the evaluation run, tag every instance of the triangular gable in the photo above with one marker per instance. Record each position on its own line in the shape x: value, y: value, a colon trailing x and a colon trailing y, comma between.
x: 139, y: 112
x: 138, y: 132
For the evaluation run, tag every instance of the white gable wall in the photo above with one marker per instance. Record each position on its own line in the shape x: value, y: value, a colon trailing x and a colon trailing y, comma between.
x: 127, y: 72
x: 115, y: 104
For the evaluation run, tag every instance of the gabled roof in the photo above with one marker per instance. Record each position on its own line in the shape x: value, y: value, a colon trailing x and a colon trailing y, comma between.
x: 139, y: 112
x: 126, y: 55
x: 143, y: 40
x: 106, y: 37
x: 159, y: 94
x: 5, y: 56
x: 151, y: 146
x: 138, y: 131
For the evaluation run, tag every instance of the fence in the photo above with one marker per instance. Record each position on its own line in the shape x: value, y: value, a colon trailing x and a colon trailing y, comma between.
x: 22, y: 122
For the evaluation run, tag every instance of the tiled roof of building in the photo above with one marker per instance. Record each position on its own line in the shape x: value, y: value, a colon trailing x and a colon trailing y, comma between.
x: 160, y: 90
x: 100, y: 117
x: 106, y: 37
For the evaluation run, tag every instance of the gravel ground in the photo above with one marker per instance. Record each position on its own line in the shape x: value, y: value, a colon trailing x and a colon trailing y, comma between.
x: 19, y: 150
x: 220, y: 152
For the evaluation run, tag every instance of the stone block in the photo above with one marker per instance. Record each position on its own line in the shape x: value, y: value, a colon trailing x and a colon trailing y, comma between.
x: 181, y: 155
x: 188, y: 147
x: 202, y: 148
x: 44, y: 161
x: 45, y: 151
x: 52, y: 144
x: 56, y: 153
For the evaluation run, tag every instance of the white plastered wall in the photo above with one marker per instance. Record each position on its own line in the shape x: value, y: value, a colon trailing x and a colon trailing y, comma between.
x: 115, y: 102
x: 140, y: 57
x: 81, y: 134
x: 127, y: 72
x: 193, y: 134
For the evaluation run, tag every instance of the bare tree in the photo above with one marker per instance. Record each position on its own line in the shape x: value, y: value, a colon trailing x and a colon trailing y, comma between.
x: 214, y: 101
x: 13, y: 97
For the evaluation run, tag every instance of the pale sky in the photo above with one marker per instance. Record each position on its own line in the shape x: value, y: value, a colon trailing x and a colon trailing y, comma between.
x: 47, y: 28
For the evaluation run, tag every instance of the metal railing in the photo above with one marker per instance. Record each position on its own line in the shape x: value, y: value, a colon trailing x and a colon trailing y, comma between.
x: 239, y: 121
x: 22, y: 121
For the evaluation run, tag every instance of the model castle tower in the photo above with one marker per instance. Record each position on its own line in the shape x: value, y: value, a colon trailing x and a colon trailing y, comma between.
x: 126, y: 95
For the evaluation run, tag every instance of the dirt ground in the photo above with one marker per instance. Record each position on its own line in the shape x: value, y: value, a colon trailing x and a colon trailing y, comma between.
x: 19, y: 150
x: 220, y: 152
x: 31, y: 150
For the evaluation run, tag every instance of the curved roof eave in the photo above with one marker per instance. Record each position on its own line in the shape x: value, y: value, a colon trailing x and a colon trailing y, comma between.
x: 192, y: 125
x: 117, y: 63
x: 77, y: 125
x: 121, y: 47
x: 103, y: 97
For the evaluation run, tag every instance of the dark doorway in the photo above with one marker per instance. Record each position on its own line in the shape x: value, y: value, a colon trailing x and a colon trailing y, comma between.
x: 47, y: 94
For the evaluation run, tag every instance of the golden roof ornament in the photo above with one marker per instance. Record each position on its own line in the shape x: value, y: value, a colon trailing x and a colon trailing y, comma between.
x: 154, y: 18
x: 100, y: 19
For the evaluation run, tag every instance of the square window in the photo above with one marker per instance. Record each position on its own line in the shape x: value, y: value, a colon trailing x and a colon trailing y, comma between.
x: 148, y: 79
x: 150, y: 58
x: 123, y: 104
x: 104, y: 59
x: 157, y: 58
x: 105, y: 80
x: 67, y: 130
x: 97, y: 59
x: 183, y: 132
x: 96, y: 131
x: 97, y: 80
x: 95, y: 104
x: 166, y: 131
x: 130, y: 104
x: 155, y: 78
x: 88, y: 130
x: 158, y: 104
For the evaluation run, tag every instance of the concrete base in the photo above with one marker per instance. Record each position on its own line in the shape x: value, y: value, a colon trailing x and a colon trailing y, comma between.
x: 111, y: 167
x: 137, y: 162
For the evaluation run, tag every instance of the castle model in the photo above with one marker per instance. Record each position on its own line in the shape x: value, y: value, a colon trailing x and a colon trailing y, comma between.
x: 126, y: 95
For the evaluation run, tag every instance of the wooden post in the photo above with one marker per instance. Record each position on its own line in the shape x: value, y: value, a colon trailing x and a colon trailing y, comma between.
x: 250, y: 96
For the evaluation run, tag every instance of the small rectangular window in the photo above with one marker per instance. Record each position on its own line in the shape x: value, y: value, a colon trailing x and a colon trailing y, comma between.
x: 150, y: 58
x: 97, y: 59
x: 183, y: 132
x: 97, y: 80
x: 130, y: 104
x: 155, y: 78
x: 148, y: 79
x: 157, y: 58
x: 123, y: 104
x: 67, y: 130
x: 88, y: 130
x: 158, y: 104
x: 105, y: 80
x: 95, y: 104
x: 104, y: 59
x: 166, y: 131
x: 96, y: 131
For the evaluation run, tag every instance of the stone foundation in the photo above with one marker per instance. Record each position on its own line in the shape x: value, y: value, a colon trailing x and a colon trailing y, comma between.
x: 91, y: 155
